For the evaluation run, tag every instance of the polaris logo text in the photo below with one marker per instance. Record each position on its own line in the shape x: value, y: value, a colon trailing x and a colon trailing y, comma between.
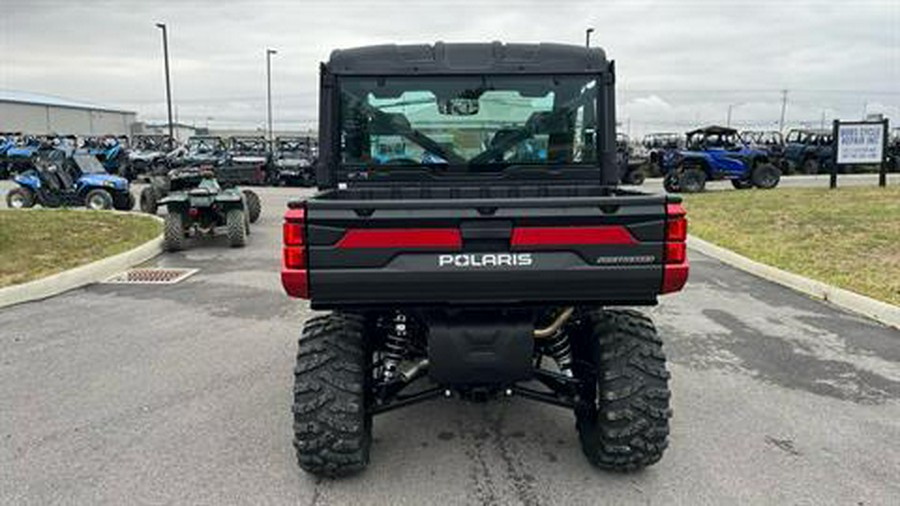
x: 481, y: 260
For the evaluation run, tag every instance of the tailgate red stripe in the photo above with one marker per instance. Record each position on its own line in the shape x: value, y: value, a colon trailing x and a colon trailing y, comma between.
x: 401, y: 238
x: 571, y: 236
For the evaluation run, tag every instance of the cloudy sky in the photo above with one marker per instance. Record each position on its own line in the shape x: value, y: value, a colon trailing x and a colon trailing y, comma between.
x: 680, y: 63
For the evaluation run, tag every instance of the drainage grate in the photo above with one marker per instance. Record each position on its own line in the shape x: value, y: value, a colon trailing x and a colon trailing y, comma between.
x: 150, y: 276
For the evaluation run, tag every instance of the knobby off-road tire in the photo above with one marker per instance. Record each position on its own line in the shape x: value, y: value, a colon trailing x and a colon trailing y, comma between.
x: 19, y: 198
x: 332, y: 425
x: 670, y: 183
x: 765, y: 176
x: 254, y: 205
x: 692, y: 181
x: 149, y: 199
x: 624, y: 423
x: 810, y: 166
x: 99, y: 200
x: 173, y: 232
x: 236, y: 221
x: 741, y: 184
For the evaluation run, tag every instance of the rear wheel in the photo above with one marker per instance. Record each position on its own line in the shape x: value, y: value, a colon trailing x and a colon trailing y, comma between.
x: 670, y: 183
x: 623, y: 420
x: 254, y: 205
x: 692, y: 180
x: 173, y: 233
x: 19, y: 198
x: 635, y: 177
x: 126, y: 203
x: 149, y: 199
x: 332, y: 423
x: 810, y: 166
x: 741, y: 184
x: 236, y: 221
x: 98, y: 200
x: 765, y: 176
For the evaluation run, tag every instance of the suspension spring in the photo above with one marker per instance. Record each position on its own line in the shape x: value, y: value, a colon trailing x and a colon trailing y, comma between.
x: 558, y: 348
x: 396, y: 344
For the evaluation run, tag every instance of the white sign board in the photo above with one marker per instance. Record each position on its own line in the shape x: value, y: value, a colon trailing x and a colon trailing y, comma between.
x: 860, y: 143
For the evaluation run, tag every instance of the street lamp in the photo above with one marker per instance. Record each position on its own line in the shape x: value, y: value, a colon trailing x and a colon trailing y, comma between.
x: 269, y: 53
x: 165, y: 37
x: 587, y: 37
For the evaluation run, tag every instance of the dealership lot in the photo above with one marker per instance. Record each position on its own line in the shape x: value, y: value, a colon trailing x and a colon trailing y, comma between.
x: 119, y: 394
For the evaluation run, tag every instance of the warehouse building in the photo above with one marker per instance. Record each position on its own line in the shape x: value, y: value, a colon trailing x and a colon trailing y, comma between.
x: 37, y: 114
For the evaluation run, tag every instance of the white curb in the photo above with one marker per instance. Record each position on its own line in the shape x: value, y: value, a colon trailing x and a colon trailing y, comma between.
x: 881, y: 312
x: 81, y: 275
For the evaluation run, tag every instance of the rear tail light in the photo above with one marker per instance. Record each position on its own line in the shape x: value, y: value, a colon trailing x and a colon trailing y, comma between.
x: 294, y: 274
x: 675, y: 270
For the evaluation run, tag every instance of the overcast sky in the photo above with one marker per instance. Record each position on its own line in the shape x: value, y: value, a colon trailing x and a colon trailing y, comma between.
x: 679, y: 64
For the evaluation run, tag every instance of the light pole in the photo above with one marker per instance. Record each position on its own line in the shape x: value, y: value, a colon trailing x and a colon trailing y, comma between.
x: 165, y: 37
x: 587, y: 37
x: 269, y: 53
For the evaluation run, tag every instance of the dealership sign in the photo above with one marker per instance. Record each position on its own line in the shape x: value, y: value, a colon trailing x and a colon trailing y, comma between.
x: 860, y: 143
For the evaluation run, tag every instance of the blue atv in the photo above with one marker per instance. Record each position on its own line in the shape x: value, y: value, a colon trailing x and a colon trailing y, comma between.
x: 6, y: 142
x: 17, y: 155
x: 56, y: 180
x: 110, y: 152
x: 716, y: 153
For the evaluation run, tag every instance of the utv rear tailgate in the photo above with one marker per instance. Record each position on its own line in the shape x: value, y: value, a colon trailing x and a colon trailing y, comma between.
x: 604, y: 249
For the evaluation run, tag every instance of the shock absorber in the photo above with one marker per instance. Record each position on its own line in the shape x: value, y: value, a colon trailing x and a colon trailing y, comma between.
x: 396, y: 343
x: 556, y: 341
x: 558, y: 348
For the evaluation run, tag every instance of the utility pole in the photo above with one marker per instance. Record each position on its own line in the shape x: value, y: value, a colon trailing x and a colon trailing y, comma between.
x: 728, y: 123
x: 269, y: 53
x: 822, y: 124
x: 587, y: 37
x: 165, y: 37
x: 783, y: 109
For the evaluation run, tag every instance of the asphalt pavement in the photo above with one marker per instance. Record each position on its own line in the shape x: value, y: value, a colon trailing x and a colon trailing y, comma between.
x: 116, y: 394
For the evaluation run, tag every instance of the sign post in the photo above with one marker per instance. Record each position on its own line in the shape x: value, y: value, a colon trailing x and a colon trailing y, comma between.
x: 860, y: 143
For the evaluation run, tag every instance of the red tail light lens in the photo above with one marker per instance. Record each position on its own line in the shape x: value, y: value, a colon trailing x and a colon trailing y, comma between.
x: 675, y: 252
x: 294, y: 258
x: 675, y: 270
x: 293, y: 234
x: 676, y: 223
x: 294, y: 274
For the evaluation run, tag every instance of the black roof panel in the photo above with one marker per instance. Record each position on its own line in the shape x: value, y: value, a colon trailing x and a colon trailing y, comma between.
x: 467, y: 58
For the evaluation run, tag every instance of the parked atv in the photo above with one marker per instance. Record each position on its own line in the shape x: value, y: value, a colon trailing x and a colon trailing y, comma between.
x: 249, y: 161
x: 208, y: 209
x: 111, y: 153
x: 164, y: 181
x: 715, y: 153
x: 295, y: 161
x: 809, y: 151
x: 631, y: 166
x: 56, y: 180
x: 19, y: 153
x: 148, y: 152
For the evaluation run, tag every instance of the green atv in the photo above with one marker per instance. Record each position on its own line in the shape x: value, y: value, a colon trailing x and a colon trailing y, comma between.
x: 206, y: 209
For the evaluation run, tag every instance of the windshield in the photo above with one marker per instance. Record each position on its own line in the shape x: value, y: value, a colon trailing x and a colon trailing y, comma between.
x: 470, y: 123
x: 203, y: 145
x: 248, y: 146
x: 88, y: 164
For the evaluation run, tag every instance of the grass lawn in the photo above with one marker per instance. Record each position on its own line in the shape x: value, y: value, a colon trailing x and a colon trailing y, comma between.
x: 849, y: 237
x: 37, y: 243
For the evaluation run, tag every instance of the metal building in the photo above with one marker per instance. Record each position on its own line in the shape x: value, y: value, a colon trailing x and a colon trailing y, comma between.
x: 37, y: 114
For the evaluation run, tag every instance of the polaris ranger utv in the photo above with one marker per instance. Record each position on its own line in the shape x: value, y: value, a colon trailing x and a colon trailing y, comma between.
x: 487, y: 258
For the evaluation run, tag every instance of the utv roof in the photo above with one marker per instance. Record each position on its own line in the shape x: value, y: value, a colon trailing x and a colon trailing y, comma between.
x: 467, y: 58
x: 714, y: 130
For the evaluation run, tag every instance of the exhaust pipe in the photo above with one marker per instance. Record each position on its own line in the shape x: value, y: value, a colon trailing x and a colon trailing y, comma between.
x: 557, y: 324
